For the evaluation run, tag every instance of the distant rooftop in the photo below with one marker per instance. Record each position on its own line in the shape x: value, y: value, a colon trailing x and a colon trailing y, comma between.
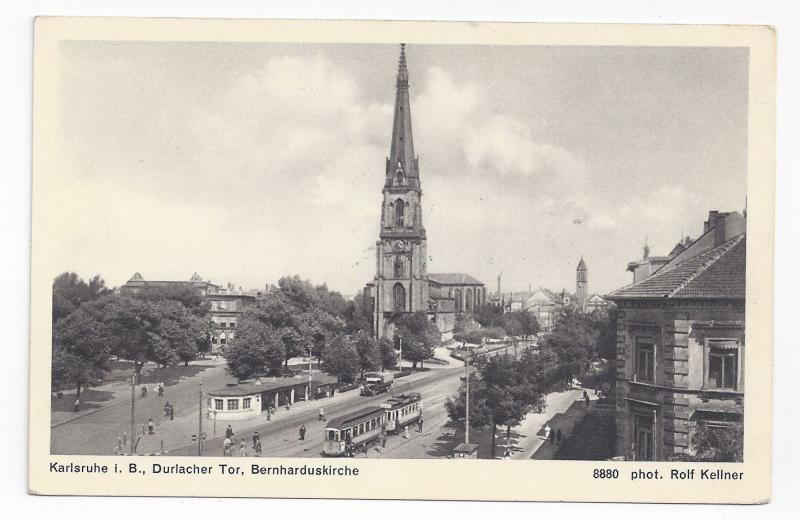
x: 454, y: 279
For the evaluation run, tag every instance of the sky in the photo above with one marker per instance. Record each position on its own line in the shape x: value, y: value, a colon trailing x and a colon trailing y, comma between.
x: 245, y: 162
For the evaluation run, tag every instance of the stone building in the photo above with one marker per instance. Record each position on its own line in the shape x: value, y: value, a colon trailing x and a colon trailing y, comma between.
x: 402, y: 283
x: 680, y: 345
x: 581, y: 284
x: 137, y: 283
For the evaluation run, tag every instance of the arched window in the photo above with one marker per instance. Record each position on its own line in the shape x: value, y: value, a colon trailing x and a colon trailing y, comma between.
x: 458, y: 299
x: 469, y: 300
x: 399, y: 293
x: 390, y: 216
x: 409, y: 215
x: 401, y: 178
x: 399, y: 213
x: 398, y: 267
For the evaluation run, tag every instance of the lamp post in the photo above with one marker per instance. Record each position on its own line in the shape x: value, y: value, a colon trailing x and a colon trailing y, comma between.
x: 200, y: 421
x: 133, y: 411
x: 466, y: 422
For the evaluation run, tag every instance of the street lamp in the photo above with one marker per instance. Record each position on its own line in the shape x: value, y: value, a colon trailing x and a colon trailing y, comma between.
x: 400, y: 362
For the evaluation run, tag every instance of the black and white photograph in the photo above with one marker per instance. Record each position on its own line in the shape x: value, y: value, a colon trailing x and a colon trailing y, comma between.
x: 245, y: 265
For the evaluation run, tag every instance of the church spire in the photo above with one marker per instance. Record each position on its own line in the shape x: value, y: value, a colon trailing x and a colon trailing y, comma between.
x: 401, y: 165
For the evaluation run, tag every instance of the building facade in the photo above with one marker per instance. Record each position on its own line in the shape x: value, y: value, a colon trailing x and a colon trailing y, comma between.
x: 680, y: 345
x: 402, y: 284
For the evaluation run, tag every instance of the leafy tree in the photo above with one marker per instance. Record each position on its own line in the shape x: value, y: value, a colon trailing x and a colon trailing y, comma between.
x: 420, y: 336
x: 369, y: 357
x: 191, y: 298
x: 717, y: 444
x: 388, y: 354
x: 70, y: 291
x: 606, y: 323
x: 340, y: 358
x: 80, y: 351
x: 521, y: 323
x: 467, y: 330
x: 574, y: 340
x: 358, y: 315
x: 257, y: 349
x: 488, y: 315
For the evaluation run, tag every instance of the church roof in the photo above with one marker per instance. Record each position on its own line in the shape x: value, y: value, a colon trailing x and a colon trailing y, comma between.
x: 717, y: 273
x: 581, y: 265
x: 401, y: 154
x: 453, y: 279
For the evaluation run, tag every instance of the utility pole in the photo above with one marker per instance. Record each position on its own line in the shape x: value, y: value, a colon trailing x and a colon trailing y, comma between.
x: 133, y: 410
x: 200, y: 423
x: 400, y: 362
x: 466, y: 426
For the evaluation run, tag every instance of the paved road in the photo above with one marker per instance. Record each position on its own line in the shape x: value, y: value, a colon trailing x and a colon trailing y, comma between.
x: 280, y: 437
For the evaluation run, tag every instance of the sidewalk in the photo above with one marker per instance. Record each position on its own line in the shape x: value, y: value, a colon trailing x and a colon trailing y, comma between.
x: 559, y: 413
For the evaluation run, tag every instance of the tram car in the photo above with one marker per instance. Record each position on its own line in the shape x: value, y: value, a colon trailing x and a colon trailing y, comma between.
x: 353, y: 431
x: 402, y: 410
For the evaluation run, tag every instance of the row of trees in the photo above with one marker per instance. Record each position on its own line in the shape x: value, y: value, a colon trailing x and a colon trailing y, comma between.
x: 91, y: 324
x: 491, y: 322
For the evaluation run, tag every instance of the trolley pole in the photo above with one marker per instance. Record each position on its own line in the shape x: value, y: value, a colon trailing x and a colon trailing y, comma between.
x: 466, y: 424
x: 133, y: 411
x: 400, y: 362
x: 200, y: 422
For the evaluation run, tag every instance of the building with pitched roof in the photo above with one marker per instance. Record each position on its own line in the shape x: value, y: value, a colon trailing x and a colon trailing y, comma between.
x: 680, y: 345
x: 402, y: 284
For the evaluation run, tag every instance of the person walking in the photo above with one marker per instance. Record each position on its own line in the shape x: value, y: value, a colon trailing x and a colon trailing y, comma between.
x: 77, y: 405
x: 302, y: 432
x: 383, y: 440
x: 160, y: 389
x: 420, y: 425
x: 257, y: 448
x: 144, y: 392
x: 405, y: 431
x: 586, y: 399
x: 546, y: 431
x: 321, y: 414
x: 226, y: 447
x: 242, y: 449
x: 150, y: 427
x: 166, y: 409
x: 229, y: 432
x: 171, y: 412
x: 256, y: 438
x: 366, y: 450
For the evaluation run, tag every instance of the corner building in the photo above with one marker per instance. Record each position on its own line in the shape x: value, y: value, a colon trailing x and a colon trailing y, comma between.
x: 402, y: 284
x: 680, y: 345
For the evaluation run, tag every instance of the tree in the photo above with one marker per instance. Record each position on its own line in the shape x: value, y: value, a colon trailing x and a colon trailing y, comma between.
x: 606, y: 323
x: 574, y: 340
x: 420, y: 336
x: 369, y: 357
x: 488, y: 315
x: 191, y: 298
x: 340, y: 358
x: 717, y: 444
x: 467, y: 330
x: 388, y: 354
x: 70, y: 291
x: 257, y: 349
x: 520, y: 323
x: 80, y: 351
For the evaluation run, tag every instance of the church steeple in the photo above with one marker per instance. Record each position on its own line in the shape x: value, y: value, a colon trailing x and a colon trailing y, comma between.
x: 401, y: 165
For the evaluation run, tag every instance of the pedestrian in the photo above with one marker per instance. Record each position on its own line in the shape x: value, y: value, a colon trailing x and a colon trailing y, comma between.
x: 302, y: 432
x: 383, y: 440
x: 144, y: 392
x: 258, y: 448
x: 77, y: 405
x: 150, y: 426
x: 366, y: 450
x: 166, y: 409
x: 586, y: 399
x: 321, y: 414
x: 242, y: 449
x: 405, y: 431
x: 420, y: 425
x: 256, y: 438
x: 546, y: 431
x: 229, y: 432
x: 585, y: 395
x: 226, y: 447
x: 160, y: 390
x: 171, y: 412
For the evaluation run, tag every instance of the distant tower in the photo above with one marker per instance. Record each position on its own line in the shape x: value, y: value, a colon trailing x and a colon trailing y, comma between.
x: 647, y: 248
x: 582, y: 284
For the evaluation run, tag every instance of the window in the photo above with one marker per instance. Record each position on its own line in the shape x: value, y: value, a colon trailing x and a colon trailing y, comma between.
x: 723, y: 364
x: 398, y: 267
x: 399, y: 294
x: 232, y: 325
x: 233, y: 404
x: 643, y: 438
x: 222, y: 325
x: 218, y: 404
x: 469, y: 300
x: 399, y: 212
x: 331, y: 435
x: 246, y: 403
x: 645, y: 360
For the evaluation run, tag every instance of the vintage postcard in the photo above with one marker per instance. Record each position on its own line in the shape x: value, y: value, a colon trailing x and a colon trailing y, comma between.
x: 238, y: 288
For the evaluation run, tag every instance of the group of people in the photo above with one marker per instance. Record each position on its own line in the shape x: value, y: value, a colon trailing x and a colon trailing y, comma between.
x: 159, y: 390
x: 552, y: 434
x: 229, y: 444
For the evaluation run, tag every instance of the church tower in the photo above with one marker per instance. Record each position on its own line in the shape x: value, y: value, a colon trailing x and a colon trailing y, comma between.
x: 582, y: 284
x: 401, y: 284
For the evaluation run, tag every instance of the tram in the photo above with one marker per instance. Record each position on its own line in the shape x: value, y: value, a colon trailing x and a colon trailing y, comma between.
x: 402, y: 410
x: 353, y: 430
